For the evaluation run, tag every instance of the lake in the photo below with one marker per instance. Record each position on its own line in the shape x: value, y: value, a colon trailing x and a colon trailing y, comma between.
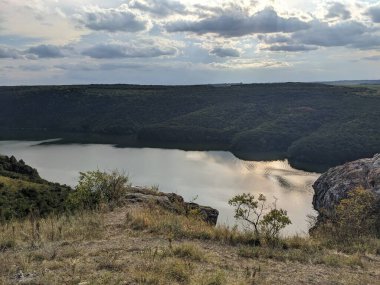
x: 209, y: 177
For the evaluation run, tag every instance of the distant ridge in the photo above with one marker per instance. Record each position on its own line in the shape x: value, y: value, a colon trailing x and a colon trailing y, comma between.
x: 353, y: 82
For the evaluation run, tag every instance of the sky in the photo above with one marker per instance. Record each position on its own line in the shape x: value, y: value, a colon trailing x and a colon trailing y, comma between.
x: 187, y: 41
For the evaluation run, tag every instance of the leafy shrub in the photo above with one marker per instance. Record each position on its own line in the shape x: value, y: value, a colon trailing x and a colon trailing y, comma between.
x: 96, y: 187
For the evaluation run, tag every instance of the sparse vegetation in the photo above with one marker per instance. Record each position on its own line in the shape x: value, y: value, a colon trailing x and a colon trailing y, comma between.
x: 103, y: 247
x: 108, y: 242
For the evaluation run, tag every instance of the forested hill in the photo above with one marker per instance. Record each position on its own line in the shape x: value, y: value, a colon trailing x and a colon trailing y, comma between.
x: 306, y: 122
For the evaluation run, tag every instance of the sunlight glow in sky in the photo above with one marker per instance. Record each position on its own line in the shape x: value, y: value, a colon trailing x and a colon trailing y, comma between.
x: 187, y: 41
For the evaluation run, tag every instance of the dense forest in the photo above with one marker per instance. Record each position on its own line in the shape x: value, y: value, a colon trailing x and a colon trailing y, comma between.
x: 305, y: 122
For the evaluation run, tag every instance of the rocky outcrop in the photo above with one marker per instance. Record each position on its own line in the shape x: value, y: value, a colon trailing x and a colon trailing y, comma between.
x: 334, y: 185
x: 172, y: 202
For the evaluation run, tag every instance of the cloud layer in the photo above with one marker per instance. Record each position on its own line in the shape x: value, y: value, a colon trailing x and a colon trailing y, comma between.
x: 134, y: 50
x: 197, y: 41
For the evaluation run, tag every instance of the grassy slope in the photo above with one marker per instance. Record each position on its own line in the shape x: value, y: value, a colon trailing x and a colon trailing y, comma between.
x: 22, y: 189
x: 133, y: 245
x: 305, y: 122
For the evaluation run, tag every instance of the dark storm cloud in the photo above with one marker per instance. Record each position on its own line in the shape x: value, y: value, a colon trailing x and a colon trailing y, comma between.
x: 225, y: 52
x: 45, y: 51
x: 338, y: 10
x: 128, y: 51
x: 235, y: 23
x: 290, y: 48
x: 113, y: 20
x: 159, y: 8
x: 374, y: 13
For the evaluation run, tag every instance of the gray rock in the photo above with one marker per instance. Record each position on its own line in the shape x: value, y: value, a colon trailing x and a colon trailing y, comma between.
x: 171, y: 202
x: 209, y: 214
x: 334, y: 185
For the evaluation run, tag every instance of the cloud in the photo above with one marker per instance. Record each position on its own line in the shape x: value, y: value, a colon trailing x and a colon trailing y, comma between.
x: 338, y: 10
x: 93, y: 66
x: 6, y: 52
x: 238, y: 22
x: 113, y: 19
x: 36, y: 52
x: 17, y: 40
x: 372, y: 58
x: 374, y: 13
x: 45, y: 51
x: 161, y: 8
x: 290, y: 48
x: 225, y: 52
x: 249, y: 64
x: 350, y: 34
x: 130, y: 50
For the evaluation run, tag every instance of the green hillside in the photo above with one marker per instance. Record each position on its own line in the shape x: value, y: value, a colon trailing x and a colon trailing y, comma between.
x: 306, y: 122
x: 23, y: 191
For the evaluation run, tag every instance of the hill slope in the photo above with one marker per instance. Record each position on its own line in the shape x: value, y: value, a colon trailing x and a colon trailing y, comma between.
x: 145, y: 245
x: 23, y: 191
x: 308, y: 123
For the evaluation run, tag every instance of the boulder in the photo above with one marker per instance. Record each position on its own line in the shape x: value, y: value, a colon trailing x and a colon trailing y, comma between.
x: 171, y: 202
x: 334, y: 185
x: 210, y: 215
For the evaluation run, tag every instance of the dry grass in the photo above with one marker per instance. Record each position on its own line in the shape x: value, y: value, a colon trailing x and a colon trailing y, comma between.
x: 35, y: 233
x: 151, y: 246
x: 177, y: 226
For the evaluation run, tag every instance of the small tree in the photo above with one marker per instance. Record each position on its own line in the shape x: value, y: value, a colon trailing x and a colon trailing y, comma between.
x: 259, y: 216
x: 273, y: 222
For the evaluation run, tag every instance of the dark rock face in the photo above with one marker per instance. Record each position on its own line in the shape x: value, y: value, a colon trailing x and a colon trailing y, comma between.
x: 172, y: 202
x: 209, y: 214
x: 334, y: 185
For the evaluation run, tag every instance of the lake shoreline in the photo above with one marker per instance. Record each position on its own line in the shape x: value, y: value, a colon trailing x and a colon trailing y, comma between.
x: 132, y: 141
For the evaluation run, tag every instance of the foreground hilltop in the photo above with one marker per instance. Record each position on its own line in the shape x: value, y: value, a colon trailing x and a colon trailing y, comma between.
x: 143, y: 236
x: 147, y: 245
x: 308, y: 123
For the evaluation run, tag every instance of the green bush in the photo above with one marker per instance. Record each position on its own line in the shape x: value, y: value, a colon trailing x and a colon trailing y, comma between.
x: 96, y: 187
x: 356, y: 218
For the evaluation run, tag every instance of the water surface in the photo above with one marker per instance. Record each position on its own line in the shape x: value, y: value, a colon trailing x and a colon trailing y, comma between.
x: 212, y: 177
